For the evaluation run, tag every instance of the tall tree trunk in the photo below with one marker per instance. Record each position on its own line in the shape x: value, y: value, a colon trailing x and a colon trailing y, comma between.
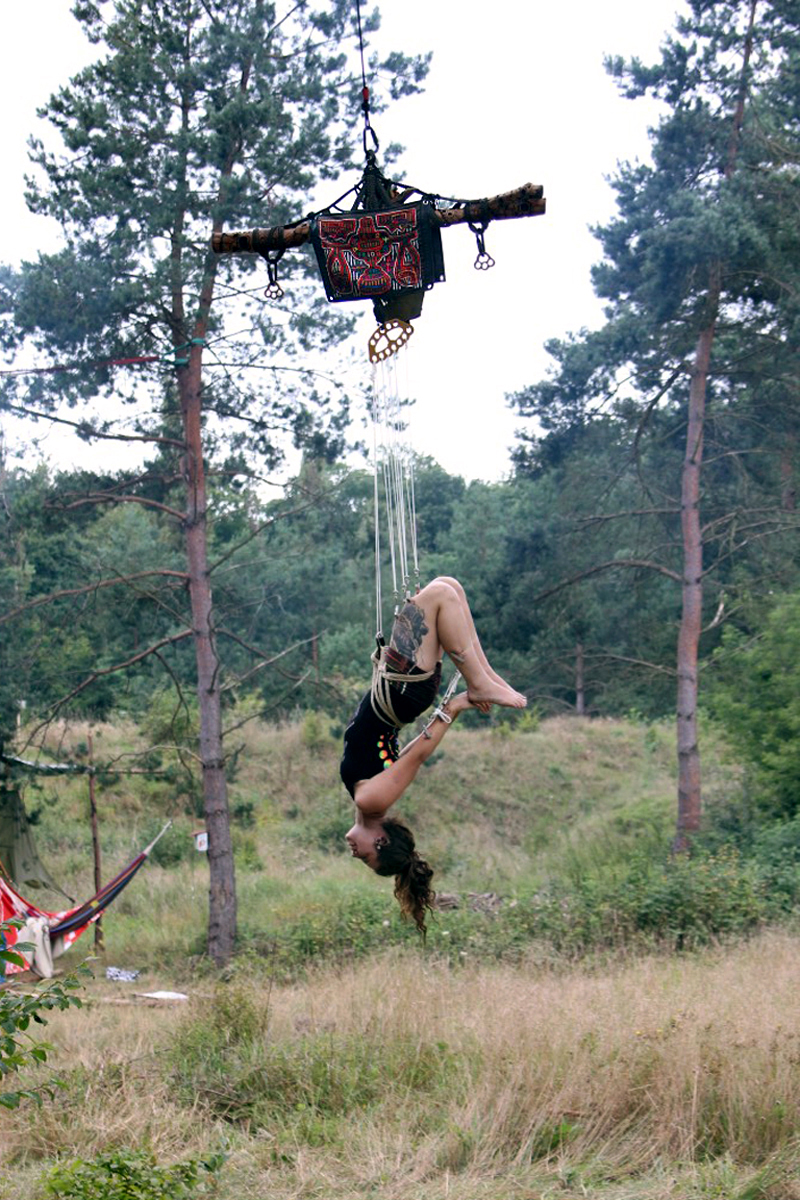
x: 689, y: 792
x: 222, y: 886
x: 689, y: 776
x: 580, y: 697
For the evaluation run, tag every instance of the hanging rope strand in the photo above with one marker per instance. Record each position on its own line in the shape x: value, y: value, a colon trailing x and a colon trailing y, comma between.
x: 396, y: 470
x: 376, y: 504
x: 405, y: 359
x: 413, y: 520
x: 392, y: 459
x: 390, y: 491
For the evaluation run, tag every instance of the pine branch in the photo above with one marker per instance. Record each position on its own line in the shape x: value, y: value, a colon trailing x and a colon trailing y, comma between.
x: 85, y: 430
x: 113, y: 498
x: 66, y: 593
x: 632, y: 563
x: 266, y: 660
x: 103, y: 671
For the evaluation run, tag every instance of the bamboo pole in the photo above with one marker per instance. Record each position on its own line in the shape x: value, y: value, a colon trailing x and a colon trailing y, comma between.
x: 526, y: 201
x: 99, y: 941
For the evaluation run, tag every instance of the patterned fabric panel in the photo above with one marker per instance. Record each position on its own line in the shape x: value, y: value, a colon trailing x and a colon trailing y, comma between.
x: 364, y: 255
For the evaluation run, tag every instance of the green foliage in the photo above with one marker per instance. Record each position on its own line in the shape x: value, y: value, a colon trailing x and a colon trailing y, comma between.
x: 171, y: 719
x: 325, y: 825
x: 316, y: 731
x: 756, y: 699
x: 132, y: 1175
x: 328, y: 922
x: 18, y: 1049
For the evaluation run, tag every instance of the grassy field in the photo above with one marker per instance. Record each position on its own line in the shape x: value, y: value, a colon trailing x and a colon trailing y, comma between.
x: 337, y: 1057
x: 405, y: 1076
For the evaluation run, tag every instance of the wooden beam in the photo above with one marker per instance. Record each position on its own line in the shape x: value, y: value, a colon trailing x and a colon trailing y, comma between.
x: 526, y: 201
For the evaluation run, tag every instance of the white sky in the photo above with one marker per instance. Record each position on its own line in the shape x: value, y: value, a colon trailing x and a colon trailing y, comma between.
x: 516, y: 93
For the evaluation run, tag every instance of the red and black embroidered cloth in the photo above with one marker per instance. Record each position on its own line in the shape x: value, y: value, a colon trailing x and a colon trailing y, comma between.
x: 367, y: 255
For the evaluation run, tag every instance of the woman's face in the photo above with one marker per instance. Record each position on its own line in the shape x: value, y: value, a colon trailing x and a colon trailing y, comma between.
x: 364, y: 844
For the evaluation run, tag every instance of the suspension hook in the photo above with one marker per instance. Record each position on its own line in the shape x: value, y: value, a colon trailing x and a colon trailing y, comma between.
x: 274, y: 291
x: 484, y: 261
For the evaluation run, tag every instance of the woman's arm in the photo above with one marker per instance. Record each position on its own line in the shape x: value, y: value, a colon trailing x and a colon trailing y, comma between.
x: 374, y: 796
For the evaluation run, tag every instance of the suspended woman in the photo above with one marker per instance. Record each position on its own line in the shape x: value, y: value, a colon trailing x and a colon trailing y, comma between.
x: 405, y: 683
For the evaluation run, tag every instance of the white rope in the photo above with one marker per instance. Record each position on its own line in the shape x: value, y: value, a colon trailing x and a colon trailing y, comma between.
x: 393, y: 460
x: 377, y: 508
x: 406, y: 360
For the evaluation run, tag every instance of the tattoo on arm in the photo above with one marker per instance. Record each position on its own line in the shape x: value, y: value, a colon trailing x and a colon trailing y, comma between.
x: 409, y: 630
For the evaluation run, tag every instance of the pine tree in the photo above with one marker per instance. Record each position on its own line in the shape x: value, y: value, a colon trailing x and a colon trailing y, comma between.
x: 695, y: 274
x: 197, y: 115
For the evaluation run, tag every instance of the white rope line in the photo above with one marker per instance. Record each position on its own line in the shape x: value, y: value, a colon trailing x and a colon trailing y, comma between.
x: 377, y: 509
x: 407, y: 360
x: 392, y: 458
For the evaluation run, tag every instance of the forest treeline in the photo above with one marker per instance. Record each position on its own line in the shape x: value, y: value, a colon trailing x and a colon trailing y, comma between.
x: 576, y: 599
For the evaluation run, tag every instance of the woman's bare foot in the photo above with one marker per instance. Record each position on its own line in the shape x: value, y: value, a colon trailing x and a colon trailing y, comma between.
x: 491, y: 692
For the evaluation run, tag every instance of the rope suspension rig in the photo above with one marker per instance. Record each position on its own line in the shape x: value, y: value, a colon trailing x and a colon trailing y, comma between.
x: 386, y: 247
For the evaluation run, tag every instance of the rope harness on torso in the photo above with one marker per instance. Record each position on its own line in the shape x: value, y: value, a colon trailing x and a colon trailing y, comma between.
x: 383, y: 675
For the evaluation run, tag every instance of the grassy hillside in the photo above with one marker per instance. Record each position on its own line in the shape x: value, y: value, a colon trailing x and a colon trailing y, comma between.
x: 509, y: 816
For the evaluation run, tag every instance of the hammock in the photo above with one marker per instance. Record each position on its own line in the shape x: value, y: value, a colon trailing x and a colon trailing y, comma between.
x: 54, y: 932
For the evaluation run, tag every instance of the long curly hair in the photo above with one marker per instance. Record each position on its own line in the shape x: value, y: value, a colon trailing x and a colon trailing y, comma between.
x: 412, y: 884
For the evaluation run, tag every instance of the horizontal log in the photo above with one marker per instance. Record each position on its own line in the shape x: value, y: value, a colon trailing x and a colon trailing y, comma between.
x: 527, y: 201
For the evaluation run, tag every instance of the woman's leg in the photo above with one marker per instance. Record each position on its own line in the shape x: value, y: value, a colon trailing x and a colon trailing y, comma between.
x: 462, y: 595
x: 438, y: 618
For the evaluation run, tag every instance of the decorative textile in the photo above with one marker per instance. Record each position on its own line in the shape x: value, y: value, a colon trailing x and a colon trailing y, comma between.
x: 365, y: 255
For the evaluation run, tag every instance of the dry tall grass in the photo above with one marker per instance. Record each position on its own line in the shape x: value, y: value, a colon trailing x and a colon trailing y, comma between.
x: 606, y: 1083
x: 661, y: 1057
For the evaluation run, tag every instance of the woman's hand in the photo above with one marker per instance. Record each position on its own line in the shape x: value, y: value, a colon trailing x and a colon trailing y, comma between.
x: 461, y: 702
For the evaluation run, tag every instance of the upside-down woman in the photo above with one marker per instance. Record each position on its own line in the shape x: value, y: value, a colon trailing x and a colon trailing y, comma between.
x: 406, y: 681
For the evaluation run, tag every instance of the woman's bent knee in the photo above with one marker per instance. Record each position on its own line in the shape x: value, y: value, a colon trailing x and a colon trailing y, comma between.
x: 453, y: 583
x: 443, y: 587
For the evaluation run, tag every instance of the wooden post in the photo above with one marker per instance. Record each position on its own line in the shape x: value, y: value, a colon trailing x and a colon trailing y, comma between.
x: 99, y: 941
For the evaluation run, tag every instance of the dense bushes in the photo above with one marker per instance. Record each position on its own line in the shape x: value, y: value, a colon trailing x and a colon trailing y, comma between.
x: 126, y: 1173
x: 756, y: 698
x: 677, y: 903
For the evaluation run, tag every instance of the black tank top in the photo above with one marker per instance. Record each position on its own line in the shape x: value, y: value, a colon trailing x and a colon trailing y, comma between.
x: 370, y: 745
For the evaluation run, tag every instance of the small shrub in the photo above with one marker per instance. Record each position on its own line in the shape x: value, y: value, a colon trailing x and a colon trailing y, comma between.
x: 125, y: 1174
x: 18, y: 1049
x: 245, y: 850
x: 243, y: 814
x: 174, y: 847
x: 316, y: 730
